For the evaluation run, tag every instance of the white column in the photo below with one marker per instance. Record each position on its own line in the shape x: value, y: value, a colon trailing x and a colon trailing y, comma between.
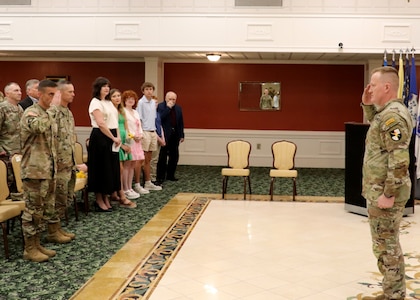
x: 154, y: 74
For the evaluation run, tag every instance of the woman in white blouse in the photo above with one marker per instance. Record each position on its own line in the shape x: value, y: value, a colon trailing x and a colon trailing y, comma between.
x: 104, y: 143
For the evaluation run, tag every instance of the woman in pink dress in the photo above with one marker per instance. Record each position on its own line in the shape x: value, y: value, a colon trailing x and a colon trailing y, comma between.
x: 135, y: 133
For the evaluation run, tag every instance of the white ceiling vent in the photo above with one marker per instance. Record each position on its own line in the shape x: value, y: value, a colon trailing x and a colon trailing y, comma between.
x: 240, y: 3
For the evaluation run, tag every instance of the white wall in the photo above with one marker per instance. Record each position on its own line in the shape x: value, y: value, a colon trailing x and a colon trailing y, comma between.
x: 218, y: 6
x: 363, y: 26
x: 315, y: 149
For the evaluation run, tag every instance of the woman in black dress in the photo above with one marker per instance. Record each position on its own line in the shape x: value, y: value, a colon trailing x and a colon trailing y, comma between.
x: 104, y: 143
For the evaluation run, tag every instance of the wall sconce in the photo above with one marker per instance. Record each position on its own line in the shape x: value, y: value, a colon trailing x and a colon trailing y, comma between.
x: 213, y: 56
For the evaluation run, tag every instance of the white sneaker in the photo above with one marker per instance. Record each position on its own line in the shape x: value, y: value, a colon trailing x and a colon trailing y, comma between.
x: 135, y: 193
x: 143, y: 190
x: 151, y: 187
x: 139, y: 189
x: 131, y: 194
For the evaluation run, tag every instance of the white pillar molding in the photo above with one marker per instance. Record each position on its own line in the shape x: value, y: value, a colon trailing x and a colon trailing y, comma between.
x: 154, y: 73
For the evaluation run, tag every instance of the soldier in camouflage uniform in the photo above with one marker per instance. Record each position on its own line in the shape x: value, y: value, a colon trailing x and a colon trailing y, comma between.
x: 66, y: 164
x: 386, y: 179
x: 39, y: 167
x: 10, y: 115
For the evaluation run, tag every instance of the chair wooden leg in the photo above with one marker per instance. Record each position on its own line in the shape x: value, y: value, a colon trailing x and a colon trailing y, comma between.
x: 271, y: 188
x: 244, y: 187
x: 249, y: 185
x: 224, y: 186
x: 5, y: 241
x: 86, y: 200
x: 9, y: 226
x: 66, y: 216
x: 294, y: 188
x: 76, y: 209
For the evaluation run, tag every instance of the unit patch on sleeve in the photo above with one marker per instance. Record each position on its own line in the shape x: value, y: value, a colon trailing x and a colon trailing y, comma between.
x: 395, y: 134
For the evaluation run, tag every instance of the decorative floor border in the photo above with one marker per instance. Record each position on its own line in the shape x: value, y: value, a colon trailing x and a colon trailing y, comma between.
x: 147, y: 276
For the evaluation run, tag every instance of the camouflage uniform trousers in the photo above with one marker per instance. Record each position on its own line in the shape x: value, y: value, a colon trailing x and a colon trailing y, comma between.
x: 385, y: 227
x: 40, y: 205
x: 64, y: 191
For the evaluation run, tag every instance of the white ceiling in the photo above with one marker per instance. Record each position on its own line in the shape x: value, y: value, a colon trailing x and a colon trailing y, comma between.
x: 191, y: 56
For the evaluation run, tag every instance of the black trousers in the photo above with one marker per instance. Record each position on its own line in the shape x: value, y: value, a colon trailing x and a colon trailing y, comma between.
x: 168, y: 158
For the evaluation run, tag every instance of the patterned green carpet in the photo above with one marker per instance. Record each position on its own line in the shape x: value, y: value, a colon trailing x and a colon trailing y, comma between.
x: 100, y: 235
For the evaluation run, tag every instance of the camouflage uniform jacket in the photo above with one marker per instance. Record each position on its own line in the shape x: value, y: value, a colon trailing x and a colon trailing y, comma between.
x: 65, y: 138
x: 10, y: 116
x: 386, y: 159
x: 38, y: 134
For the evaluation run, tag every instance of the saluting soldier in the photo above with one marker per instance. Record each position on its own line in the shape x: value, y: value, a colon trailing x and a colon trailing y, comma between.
x: 66, y: 163
x: 39, y: 167
x: 10, y: 115
x: 386, y: 179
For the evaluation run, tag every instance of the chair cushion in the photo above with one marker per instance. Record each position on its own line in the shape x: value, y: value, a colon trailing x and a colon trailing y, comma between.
x: 283, y: 173
x: 21, y: 204
x: 8, y: 212
x: 235, y: 172
x: 80, y: 184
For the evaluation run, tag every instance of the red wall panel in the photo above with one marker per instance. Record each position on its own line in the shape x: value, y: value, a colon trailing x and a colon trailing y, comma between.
x: 313, y: 97
x: 123, y: 75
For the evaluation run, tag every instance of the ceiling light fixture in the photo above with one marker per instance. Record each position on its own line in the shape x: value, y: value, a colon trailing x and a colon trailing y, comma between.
x: 213, y: 56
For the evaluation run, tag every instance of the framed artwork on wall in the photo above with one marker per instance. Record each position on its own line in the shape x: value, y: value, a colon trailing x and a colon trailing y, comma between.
x: 259, y: 96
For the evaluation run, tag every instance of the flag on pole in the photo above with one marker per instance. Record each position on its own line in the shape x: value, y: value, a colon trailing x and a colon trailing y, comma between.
x: 385, y: 60
x: 407, y: 74
x: 393, y: 59
x: 414, y: 94
x: 400, y: 76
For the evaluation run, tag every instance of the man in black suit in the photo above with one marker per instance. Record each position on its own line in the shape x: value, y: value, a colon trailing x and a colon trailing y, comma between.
x: 173, y: 128
x: 31, y: 92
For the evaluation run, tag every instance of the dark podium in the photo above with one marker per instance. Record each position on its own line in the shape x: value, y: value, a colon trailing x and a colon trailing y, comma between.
x: 354, y: 151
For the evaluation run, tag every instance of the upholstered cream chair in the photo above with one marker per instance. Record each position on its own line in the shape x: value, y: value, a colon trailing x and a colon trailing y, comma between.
x: 81, y: 183
x: 78, y: 148
x: 9, y: 211
x: 18, y: 181
x: 283, y: 163
x: 238, y: 164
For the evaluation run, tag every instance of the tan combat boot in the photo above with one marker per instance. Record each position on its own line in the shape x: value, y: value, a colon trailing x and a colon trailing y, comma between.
x: 48, y: 252
x: 55, y: 236
x: 69, y: 234
x: 31, y: 251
